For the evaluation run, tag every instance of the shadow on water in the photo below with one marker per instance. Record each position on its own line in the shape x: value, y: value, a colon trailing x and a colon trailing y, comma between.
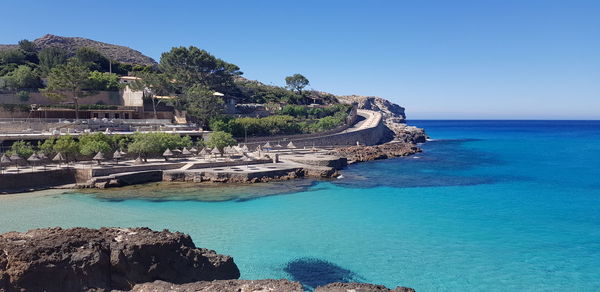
x: 314, y: 272
x: 168, y: 192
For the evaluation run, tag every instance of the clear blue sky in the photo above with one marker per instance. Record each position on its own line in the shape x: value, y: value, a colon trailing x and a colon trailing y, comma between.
x: 439, y: 59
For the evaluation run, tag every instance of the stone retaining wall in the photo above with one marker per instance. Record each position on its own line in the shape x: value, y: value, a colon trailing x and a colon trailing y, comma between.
x: 36, y: 180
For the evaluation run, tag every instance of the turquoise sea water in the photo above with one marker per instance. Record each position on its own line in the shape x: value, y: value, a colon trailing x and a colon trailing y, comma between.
x: 488, y: 206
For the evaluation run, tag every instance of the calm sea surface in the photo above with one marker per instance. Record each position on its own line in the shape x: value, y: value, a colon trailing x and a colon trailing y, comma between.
x: 488, y: 206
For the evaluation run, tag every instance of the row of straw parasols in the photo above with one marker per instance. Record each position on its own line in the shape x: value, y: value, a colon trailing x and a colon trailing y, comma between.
x: 34, y: 159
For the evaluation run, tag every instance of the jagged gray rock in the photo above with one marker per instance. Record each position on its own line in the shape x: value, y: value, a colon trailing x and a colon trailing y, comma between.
x: 82, y: 259
x: 359, y: 287
x: 389, y: 110
x: 71, y: 44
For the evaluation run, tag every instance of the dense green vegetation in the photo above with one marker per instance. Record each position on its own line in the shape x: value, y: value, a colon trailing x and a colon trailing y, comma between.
x: 86, y: 146
x: 189, y: 75
x: 292, y: 119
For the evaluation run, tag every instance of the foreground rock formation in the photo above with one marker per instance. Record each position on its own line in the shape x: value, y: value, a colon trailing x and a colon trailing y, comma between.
x: 261, y: 285
x: 128, y: 259
x: 359, y: 287
x: 222, y: 285
x: 82, y: 259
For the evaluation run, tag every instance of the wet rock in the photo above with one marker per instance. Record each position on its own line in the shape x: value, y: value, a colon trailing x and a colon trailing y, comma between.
x: 222, y: 286
x: 359, y: 287
x: 82, y: 259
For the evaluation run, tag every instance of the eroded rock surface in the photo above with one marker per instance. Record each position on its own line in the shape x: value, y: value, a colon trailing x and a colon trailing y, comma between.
x: 222, y: 286
x: 359, y: 287
x: 383, y: 151
x: 82, y: 259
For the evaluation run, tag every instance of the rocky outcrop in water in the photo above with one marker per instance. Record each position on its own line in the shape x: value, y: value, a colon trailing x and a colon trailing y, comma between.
x: 377, y: 152
x: 359, y: 287
x: 82, y: 259
x: 71, y: 44
x: 222, y: 286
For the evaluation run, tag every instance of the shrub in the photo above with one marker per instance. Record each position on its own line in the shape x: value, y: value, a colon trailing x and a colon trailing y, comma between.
x: 67, y: 146
x: 22, y: 148
x: 220, y: 140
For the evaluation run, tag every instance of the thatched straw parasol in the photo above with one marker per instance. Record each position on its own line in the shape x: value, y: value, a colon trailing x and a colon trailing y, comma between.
x: 98, y: 157
x: 4, y: 160
x: 32, y: 160
x: 245, y: 148
x: 58, y: 158
x: 117, y: 155
x: 185, y: 151
x: 203, y: 152
x: 215, y: 151
x: 138, y: 161
x: 167, y: 154
x: 15, y: 158
x: 194, y: 150
x: 291, y: 145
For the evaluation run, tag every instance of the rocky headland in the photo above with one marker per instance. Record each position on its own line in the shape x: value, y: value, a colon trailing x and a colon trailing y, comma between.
x: 71, y: 44
x: 128, y: 259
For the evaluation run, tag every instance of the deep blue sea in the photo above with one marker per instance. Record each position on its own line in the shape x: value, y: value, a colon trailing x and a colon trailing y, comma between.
x: 487, y: 206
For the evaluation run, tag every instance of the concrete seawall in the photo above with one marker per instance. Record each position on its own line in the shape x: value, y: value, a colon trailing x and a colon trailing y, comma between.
x: 36, y: 180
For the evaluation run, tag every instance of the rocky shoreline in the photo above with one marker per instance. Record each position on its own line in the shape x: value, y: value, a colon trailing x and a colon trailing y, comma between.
x: 128, y: 259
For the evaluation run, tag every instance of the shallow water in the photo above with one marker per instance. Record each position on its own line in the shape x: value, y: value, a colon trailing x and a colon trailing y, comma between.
x: 488, y: 206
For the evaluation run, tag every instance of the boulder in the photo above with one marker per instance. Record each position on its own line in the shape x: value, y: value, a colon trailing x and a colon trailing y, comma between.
x: 222, y: 286
x: 82, y: 259
x: 359, y: 287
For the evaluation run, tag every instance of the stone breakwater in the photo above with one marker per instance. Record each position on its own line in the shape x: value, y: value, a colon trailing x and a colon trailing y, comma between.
x: 405, y: 143
x: 128, y: 259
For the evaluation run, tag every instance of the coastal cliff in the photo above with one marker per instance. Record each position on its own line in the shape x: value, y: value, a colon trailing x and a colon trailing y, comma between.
x: 128, y: 259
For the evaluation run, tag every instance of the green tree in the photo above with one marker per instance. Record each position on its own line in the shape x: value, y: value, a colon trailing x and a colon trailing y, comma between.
x: 22, y: 148
x: 29, y: 50
x: 67, y: 146
x: 51, y: 57
x: 297, y: 82
x: 14, y: 56
x: 90, y: 144
x: 153, y: 84
x: 154, y: 144
x: 104, y: 81
x: 47, y: 147
x: 72, y: 78
x: 189, y: 66
x: 201, y: 104
x: 93, y: 59
x: 23, y: 77
x: 220, y: 140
